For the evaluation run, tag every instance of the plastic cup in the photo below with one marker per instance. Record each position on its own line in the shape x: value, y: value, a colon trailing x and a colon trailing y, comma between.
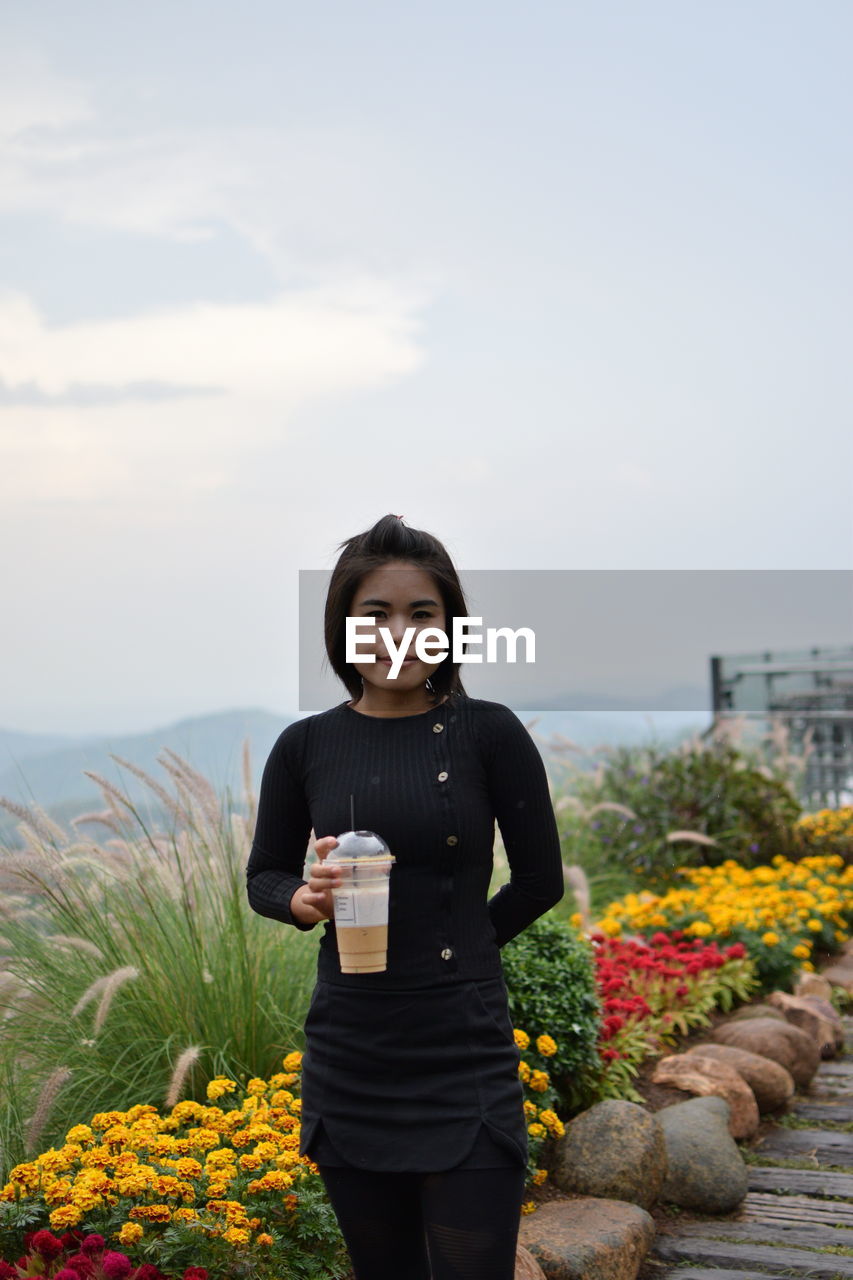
x: 361, y: 901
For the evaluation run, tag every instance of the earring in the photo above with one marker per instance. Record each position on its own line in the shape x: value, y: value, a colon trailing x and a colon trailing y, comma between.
x: 429, y: 686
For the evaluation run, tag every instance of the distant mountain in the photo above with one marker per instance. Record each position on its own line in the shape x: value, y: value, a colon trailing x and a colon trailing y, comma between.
x: 20, y: 746
x: 48, y: 770
x: 54, y: 778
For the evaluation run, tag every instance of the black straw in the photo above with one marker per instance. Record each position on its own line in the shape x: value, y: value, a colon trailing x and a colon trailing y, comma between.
x: 352, y: 811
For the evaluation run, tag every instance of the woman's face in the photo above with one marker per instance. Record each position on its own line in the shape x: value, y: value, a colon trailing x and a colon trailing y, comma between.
x: 398, y: 596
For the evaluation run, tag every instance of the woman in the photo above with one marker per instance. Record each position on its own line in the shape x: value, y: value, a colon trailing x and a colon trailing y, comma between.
x: 411, y: 1102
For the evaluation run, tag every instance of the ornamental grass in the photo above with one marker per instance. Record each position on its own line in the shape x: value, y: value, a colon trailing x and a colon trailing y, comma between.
x: 133, y: 970
x: 781, y: 913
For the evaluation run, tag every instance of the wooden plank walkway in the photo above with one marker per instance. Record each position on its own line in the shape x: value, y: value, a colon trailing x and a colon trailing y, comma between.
x: 793, y: 1219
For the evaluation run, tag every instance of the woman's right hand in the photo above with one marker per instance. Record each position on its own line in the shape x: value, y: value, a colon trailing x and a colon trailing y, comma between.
x: 312, y: 902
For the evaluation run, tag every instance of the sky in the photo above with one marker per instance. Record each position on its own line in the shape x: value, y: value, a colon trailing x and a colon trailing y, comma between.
x: 567, y: 285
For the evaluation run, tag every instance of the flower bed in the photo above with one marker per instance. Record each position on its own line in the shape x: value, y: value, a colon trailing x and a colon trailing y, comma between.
x: 220, y: 1188
x: 779, y: 912
x: 217, y: 1188
x: 654, y: 990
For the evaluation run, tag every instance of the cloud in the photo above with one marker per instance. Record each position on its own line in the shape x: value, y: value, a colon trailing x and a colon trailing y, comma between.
x: 33, y: 96
x: 303, y: 344
x: 81, y: 393
x: 265, y: 361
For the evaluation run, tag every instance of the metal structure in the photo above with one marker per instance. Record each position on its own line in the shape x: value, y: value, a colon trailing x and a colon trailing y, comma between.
x: 808, y: 690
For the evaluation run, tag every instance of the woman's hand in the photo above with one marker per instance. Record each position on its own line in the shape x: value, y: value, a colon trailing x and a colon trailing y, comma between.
x: 312, y: 902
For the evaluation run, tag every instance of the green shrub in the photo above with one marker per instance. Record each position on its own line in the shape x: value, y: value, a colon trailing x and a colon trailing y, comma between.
x: 550, y: 981
x: 642, y: 795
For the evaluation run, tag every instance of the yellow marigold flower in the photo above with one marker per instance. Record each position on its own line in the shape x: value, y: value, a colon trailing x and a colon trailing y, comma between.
x: 610, y: 925
x: 206, y: 1139
x: 539, y: 1177
x: 530, y: 1109
x: 65, y: 1216
x: 528, y: 1207
x: 800, y: 951
x: 151, y: 1212
x: 256, y: 1086
x: 184, y: 1215
x: 218, y: 1087
x: 264, y: 1239
x: 188, y: 1168
x: 236, y: 1236
x: 292, y: 1062
x: 291, y: 1201
x: 80, y: 1133
x: 536, y: 1130
x: 576, y: 919
x: 524, y: 1071
x: 808, y: 966
x: 814, y: 925
x: 131, y: 1233
x: 218, y: 1188
x: 521, y: 1038
x: 249, y: 1163
x: 700, y: 928
x: 770, y: 938
x: 539, y: 1080
x: 546, y: 1046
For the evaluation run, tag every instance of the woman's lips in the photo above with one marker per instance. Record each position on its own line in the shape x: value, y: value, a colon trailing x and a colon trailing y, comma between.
x: 406, y: 661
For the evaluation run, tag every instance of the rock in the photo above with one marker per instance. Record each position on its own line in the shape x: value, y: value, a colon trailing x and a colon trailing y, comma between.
x: 802, y: 1012
x: 706, y: 1170
x: 773, y: 1038
x: 812, y: 984
x: 772, y: 1085
x: 757, y: 1011
x: 828, y: 1010
x: 709, y: 1077
x: 840, y: 974
x: 616, y: 1150
x: 588, y: 1238
x: 526, y: 1266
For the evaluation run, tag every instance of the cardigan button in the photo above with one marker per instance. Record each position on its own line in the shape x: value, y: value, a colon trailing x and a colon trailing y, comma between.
x: 442, y: 777
x: 452, y: 840
x: 447, y: 954
x: 437, y: 728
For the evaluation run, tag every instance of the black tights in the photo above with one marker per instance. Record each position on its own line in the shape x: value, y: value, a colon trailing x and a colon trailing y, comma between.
x: 457, y: 1225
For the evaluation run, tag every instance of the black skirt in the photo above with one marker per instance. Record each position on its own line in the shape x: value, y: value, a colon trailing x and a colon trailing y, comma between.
x: 412, y: 1081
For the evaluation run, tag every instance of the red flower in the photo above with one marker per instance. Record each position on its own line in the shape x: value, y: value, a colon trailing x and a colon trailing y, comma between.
x: 737, y: 951
x: 682, y: 991
x: 93, y: 1244
x: 7, y: 1272
x: 81, y: 1264
x: 46, y: 1243
x: 66, y: 1274
x: 610, y: 1055
x: 148, y: 1272
x: 70, y: 1239
x: 195, y: 1273
x: 116, y: 1266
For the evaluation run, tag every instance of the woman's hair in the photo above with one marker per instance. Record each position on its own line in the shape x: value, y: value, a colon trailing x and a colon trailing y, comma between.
x: 390, y: 539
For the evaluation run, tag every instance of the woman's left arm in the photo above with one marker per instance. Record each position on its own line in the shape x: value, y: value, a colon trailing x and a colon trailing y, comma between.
x: 518, y: 787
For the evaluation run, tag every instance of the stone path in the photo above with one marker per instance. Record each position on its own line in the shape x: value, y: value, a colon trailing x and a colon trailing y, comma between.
x: 794, y: 1222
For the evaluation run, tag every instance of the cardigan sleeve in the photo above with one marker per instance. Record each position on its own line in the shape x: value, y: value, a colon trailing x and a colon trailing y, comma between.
x: 282, y: 830
x: 518, y: 788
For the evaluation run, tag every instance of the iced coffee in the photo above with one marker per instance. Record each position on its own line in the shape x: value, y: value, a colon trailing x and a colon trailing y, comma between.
x: 361, y: 901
